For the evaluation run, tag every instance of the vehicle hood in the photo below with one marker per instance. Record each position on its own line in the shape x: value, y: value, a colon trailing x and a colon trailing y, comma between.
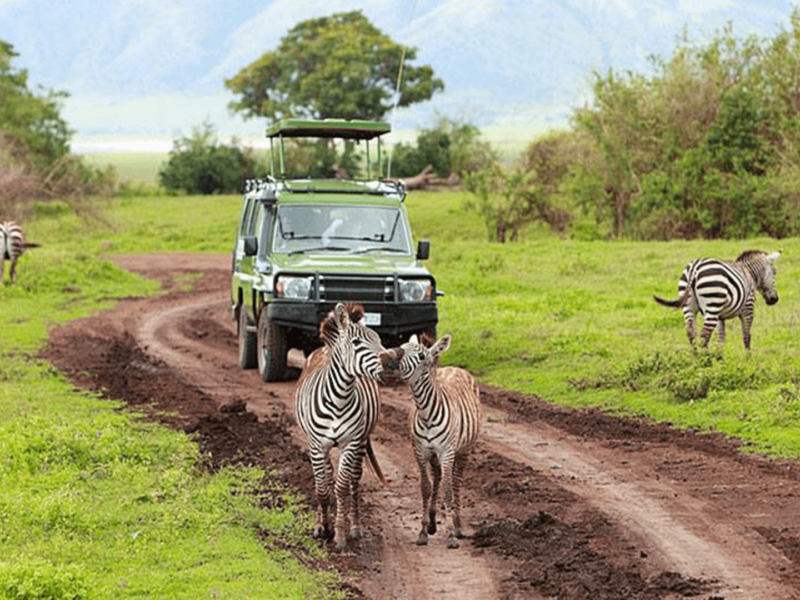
x: 348, y: 263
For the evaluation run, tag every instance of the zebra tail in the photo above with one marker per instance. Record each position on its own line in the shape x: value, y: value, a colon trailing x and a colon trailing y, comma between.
x: 373, y: 463
x: 677, y: 303
x: 32, y: 245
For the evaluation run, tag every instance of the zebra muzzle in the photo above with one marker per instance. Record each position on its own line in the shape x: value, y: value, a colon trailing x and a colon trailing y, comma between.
x: 390, y: 360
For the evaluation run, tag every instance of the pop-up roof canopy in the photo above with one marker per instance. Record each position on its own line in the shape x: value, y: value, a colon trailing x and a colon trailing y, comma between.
x: 328, y: 128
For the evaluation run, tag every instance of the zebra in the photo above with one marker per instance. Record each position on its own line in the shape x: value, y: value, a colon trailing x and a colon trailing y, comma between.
x: 445, y: 424
x: 337, y: 404
x: 12, y: 246
x: 721, y: 290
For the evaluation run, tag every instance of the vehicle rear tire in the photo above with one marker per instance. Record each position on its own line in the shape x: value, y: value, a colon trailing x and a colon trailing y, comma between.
x: 272, y: 349
x: 247, y: 342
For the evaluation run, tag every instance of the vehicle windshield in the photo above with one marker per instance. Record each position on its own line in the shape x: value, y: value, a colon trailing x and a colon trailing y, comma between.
x: 353, y: 229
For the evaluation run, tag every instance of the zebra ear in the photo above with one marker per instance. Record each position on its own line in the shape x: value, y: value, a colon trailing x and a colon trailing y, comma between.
x: 413, y: 340
x: 340, y: 314
x: 442, y: 345
x: 774, y: 256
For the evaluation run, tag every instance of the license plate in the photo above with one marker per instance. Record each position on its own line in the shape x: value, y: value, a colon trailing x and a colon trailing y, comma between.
x: 372, y: 319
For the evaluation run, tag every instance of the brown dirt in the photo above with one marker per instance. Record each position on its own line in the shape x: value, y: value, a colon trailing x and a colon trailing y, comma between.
x: 564, y: 504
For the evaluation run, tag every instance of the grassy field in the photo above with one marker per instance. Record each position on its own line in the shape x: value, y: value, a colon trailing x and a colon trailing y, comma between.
x: 95, y: 500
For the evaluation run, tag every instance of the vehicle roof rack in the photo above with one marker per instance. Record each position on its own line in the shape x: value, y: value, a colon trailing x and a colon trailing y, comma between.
x: 328, y: 128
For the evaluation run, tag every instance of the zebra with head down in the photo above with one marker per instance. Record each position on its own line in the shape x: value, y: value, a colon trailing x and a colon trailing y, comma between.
x: 337, y: 404
x: 722, y: 290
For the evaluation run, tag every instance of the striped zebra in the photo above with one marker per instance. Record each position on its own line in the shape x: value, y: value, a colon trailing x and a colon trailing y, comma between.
x: 12, y: 246
x: 445, y: 424
x: 337, y: 404
x: 722, y: 290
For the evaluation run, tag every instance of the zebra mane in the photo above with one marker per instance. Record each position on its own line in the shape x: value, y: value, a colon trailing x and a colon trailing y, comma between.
x: 329, y: 328
x: 426, y: 339
x: 748, y: 255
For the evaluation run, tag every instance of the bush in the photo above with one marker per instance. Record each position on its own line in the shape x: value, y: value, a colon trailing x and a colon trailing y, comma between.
x: 201, y: 165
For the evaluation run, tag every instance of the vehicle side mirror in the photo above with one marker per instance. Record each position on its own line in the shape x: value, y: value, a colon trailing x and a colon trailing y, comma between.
x: 250, y: 245
x: 423, y: 249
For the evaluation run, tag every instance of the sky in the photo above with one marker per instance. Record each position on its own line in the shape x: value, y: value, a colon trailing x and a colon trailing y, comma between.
x: 141, y: 73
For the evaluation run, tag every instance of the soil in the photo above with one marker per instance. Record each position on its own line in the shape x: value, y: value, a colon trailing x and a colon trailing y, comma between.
x: 562, y: 504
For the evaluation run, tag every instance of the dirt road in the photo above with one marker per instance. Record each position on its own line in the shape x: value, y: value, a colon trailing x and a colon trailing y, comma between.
x: 563, y: 504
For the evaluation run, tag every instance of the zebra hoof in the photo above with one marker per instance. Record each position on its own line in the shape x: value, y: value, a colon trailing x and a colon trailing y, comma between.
x: 422, y: 540
x: 319, y: 531
x: 355, y: 533
x: 432, y: 527
x: 452, y: 543
x: 341, y: 544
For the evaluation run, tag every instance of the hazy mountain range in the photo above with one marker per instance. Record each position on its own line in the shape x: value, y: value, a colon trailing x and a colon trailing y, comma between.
x: 141, y: 72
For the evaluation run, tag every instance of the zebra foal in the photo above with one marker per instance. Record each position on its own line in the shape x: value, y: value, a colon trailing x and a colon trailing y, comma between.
x: 337, y: 404
x: 445, y: 424
x: 722, y: 290
x: 12, y: 246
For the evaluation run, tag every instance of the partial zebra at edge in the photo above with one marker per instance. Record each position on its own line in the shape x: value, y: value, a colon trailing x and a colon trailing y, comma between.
x: 12, y: 247
x: 721, y: 290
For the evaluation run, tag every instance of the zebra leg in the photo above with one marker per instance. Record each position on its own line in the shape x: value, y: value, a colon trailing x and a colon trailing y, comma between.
x: 458, y: 473
x: 747, y: 322
x: 709, y: 325
x: 425, y: 489
x: 720, y: 334
x: 447, y: 478
x: 355, y: 499
x: 688, y: 316
x: 348, y: 457
x: 13, y: 270
x: 436, y: 470
x: 323, y: 475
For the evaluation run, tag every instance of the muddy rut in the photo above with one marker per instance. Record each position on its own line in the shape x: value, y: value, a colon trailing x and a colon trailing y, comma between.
x: 562, y: 503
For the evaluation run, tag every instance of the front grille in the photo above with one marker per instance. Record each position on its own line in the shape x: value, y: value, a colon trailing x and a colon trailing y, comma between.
x: 344, y: 288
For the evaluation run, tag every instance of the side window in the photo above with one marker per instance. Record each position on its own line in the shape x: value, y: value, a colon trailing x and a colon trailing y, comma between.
x: 249, y: 224
x: 263, y: 226
x: 244, y: 222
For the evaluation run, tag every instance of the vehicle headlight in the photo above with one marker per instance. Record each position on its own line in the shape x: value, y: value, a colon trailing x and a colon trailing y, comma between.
x: 415, y: 290
x: 297, y: 288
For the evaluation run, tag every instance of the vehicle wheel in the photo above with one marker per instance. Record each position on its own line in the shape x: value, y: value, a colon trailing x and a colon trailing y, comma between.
x: 247, y: 342
x: 271, y: 349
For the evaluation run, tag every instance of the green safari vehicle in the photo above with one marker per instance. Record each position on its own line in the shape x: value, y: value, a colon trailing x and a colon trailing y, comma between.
x: 304, y: 244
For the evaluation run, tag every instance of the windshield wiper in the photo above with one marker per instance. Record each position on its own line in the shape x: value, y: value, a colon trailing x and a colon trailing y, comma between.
x: 320, y: 249
x: 379, y: 248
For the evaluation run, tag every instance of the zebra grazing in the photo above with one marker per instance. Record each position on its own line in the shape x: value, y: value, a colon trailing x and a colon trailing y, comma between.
x: 445, y: 424
x: 337, y: 404
x: 12, y: 246
x: 721, y: 290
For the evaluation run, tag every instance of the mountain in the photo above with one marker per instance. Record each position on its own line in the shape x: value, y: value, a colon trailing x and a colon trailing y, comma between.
x: 141, y: 70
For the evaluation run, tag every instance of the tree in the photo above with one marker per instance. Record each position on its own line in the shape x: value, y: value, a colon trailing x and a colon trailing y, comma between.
x: 28, y: 120
x: 201, y: 165
x: 340, y: 66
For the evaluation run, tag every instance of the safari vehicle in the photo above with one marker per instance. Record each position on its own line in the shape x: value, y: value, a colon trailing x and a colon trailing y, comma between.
x: 304, y: 244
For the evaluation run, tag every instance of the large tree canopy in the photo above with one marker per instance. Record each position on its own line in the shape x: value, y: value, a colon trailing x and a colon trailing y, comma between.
x: 338, y: 66
x: 28, y: 120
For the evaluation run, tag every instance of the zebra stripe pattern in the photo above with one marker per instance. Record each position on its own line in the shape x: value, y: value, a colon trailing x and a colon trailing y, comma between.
x: 445, y: 425
x: 722, y: 290
x: 337, y: 404
x: 12, y: 246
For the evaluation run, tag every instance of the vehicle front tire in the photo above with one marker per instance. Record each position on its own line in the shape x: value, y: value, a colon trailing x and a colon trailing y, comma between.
x: 247, y: 342
x: 272, y: 349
